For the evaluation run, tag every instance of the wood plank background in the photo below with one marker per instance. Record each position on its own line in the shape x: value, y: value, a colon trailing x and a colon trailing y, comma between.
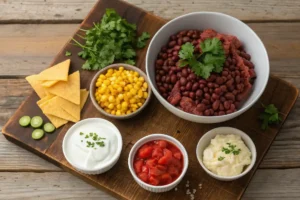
x: 33, y: 31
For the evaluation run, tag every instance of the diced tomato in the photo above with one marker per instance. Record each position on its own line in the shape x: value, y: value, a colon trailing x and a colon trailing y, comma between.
x: 173, y: 171
x: 177, y: 155
x: 166, y: 178
x: 173, y: 149
x: 162, y: 143
x: 151, y: 162
x: 165, y: 160
x: 145, y: 169
x: 145, y: 152
x: 138, y: 166
x: 161, y: 167
x: 176, y: 163
x: 153, y: 180
x: 157, y: 153
x: 143, y: 177
x: 157, y: 170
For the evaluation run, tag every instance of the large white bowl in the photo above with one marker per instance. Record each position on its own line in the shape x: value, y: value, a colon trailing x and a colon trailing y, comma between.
x: 221, y: 23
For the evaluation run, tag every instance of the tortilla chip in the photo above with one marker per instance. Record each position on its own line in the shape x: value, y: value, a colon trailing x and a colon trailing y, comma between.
x: 44, y: 99
x: 52, y: 107
x: 49, y: 83
x: 83, y: 97
x: 35, y: 83
x: 57, y: 72
x: 69, y: 90
x: 69, y: 107
x: 56, y: 121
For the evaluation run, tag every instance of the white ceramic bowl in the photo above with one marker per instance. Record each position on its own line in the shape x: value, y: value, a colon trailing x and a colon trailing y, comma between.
x: 96, y: 123
x: 152, y: 188
x: 223, y: 24
x: 205, y: 141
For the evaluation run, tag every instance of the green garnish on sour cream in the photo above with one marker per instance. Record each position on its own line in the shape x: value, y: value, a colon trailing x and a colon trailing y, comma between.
x: 96, y: 140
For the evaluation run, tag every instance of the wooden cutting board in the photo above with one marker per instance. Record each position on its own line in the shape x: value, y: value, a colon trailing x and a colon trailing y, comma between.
x: 154, y: 119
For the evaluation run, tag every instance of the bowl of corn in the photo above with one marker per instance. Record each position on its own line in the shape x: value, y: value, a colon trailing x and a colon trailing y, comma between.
x: 120, y: 91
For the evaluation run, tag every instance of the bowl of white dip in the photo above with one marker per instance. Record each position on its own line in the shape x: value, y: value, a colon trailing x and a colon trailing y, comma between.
x: 226, y: 153
x: 92, y: 146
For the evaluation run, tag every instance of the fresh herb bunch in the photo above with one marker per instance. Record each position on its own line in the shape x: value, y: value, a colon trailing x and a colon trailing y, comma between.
x: 111, y: 39
x: 269, y: 116
x: 210, y: 60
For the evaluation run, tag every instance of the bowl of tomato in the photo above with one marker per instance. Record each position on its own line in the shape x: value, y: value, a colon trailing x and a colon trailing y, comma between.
x: 158, y: 162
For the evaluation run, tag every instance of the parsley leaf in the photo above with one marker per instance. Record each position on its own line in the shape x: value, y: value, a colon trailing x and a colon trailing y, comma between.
x: 221, y: 158
x: 141, y: 42
x: 231, y: 149
x: 211, y: 60
x: 68, y: 53
x: 269, y: 116
x: 112, y: 39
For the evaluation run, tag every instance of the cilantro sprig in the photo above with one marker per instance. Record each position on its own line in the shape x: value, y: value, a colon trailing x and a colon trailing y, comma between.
x: 210, y: 60
x: 269, y: 116
x: 110, y: 40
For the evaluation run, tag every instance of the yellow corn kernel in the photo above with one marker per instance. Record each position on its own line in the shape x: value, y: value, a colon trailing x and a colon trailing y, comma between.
x: 110, y: 106
x: 133, y: 91
x: 129, y: 86
x: 128, y: 112
x: 140, y: 94
x: 103, y: 98
x: 107, y: 110
x: 111, y: 99
x: 141, y: 79
x: 121, y: 68
x: 123, y: 83
x: 128, y: 95
x: 139, y: 104
x: 102, y: 76
x: 98, y: 84
x: 145, y: 95
x: 110, y: 71
x: 106, y: 82
x: 133, y: 109
x: 145, y: 85
x: 102, y: 105
x: 135, y: 74
x: 132, y: 101
x: 119, y: 106
x: 120, y: 89
x: 113, y: 112
x: 124, y: 105
x: 118, y: 113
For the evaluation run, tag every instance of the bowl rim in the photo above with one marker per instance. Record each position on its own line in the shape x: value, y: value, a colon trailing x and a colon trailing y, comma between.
x: 181, y: 112
x: 168, y: 138
x: 111, y: 161
x: 115, y: 66
x: 225, y: 130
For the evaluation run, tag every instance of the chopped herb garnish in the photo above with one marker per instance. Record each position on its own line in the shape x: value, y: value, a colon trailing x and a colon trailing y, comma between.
x: 231, y: 149
x: 86, y: 136
x: 68, y: 53
x: 269, y: 116
x: 101, y: 144
x: 94, y: 137
x: 221, y: 158
x: 210, y: 60
x: 81, y: 133
x: 91, y: 134
x: 81, y: 140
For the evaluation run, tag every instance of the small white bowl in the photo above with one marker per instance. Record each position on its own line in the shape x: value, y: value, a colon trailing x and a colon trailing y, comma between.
x: 221, y: 23
x: 205, y: 141
x: 96, y: 123
x: 152, y: 188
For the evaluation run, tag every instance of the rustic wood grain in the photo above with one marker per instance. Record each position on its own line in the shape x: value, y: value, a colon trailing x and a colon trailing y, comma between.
x: 28, y: 49
x: 113, y: 181
x: 284, y: 152
x: 266, y: 185
x: 70, y: 10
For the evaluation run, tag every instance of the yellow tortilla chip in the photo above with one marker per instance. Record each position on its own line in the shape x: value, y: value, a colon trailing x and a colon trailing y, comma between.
x: 69, y: 107
x: 52, y: 107
x: 57, y: 72
x: 35, y: 83
x: 49, y: 83
x: 56, y: 121
x: 69, y: 90
x: 83, y: 97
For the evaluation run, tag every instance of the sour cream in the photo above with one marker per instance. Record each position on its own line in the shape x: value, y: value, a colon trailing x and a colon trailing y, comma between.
x: 85, y: 157
x: 223, y: 163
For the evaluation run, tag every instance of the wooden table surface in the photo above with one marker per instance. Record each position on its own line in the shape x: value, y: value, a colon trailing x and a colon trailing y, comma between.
x: 33, y: 31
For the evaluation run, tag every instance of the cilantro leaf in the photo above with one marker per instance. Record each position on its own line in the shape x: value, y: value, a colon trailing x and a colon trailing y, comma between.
x: 112, y: 39
x: 213, y: 46
x: 269, y: 116
x: 211, y: 60
x: 186, y: 51
x: 141, y: 43
x: 68, y: 53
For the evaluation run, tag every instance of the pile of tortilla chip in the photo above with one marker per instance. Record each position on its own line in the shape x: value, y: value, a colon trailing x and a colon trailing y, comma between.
x: 61, y: 97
